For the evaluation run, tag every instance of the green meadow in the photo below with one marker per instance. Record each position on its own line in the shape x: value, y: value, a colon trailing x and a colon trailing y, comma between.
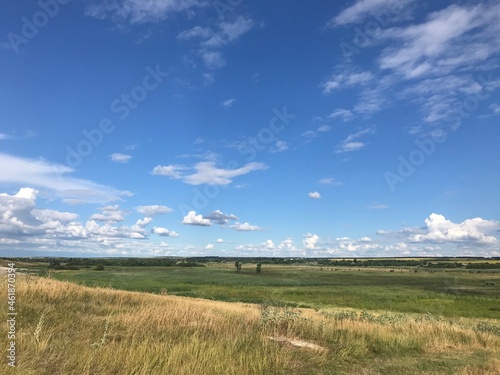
x: 450, y: 293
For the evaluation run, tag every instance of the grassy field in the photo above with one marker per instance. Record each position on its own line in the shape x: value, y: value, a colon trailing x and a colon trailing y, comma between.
x: 64, y: 328
x: 450, y: 293
x: 289, y: 319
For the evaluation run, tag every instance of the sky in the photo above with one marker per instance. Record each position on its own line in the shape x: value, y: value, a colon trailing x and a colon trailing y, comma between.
x: 355, y: 128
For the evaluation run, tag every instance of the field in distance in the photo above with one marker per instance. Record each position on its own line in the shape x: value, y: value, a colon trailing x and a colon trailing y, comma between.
x: 445, y: 292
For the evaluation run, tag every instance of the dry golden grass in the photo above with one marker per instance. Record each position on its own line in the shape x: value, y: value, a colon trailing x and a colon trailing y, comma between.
x: 65, y: 328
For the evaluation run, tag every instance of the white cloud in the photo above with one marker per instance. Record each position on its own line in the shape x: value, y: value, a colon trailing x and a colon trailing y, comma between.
x: 4, y: 136
x: 219, y: 217
x: 495, y: 108
x: 51, y: 215
x: 229, y: 32
x: 245, y: 227
x: 348, y: 144
x: 365, y: 239
x: 228, y: 103
x: 439, y: 230
x: 142, y: 223
x: 279, y: 146
x: 120, y: 158
x: 153, y: 210
x: 164, y: 232
x: 382, y: 232
x: 212, y: 42
x: 19, y: 220
x: 269, y: 245
x: 52, y: 178
x: 287, y: 245
x: 378, y: 206
x: 220, y: 240
x: 139, y: 11
x: 207, y: 173
x: 310, y: 241
x: 213, y: 59
x: 171, y: 171
x: 209, y: 246
x: 195, y: 32
x: 363, y: 9
x: 344, y: 114
x: 324, y: 128
x: 111, y: 214
x: 343, y: 80
x: 192, y: 219
x: 314, y: 195
x: 329, y: 181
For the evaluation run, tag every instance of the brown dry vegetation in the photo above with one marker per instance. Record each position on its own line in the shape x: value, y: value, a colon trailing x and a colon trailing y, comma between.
x: 64, y: 328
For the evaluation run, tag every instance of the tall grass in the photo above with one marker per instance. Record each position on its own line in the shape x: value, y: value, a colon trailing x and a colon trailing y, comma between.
x: 65, y: 328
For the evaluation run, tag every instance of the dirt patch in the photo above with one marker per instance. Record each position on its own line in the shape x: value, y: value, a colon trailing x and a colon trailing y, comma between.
x: 298, y: 343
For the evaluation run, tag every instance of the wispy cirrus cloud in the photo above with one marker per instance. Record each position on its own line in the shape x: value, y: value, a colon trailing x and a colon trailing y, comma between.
x: 363, y: 9
x: 350, y: 144
x: 135, y: 12
x: 53, y: 179
x: 210, y: 42
x: 434, y: 62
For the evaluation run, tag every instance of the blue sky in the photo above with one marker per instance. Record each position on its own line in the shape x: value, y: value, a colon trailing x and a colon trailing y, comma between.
x: 192, y: 127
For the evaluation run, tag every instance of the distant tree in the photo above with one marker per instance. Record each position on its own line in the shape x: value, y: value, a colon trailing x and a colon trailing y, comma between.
x: 259, y: 266
x: 238, y: 266
x: 99, y: 267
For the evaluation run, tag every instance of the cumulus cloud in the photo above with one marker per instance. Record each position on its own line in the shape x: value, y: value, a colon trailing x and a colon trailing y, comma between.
x: 164, y: 232
x: 439, y: 230
x: 109, y: 214
x: 310, y: 241
x: 245, y: 227
x: 314, y: 195
x: 287, y: 245
x: 220, y: 240
x: 269, y: 245
x: 209, y: 246
x: 120, y: 158
x: 219, y: 217
x: 153, y: 210
x: 35, y: 228
x: 193, y: 219
x: 51, y: 215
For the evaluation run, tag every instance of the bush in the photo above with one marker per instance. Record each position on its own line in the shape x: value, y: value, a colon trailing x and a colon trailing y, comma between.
x: 99, y: 267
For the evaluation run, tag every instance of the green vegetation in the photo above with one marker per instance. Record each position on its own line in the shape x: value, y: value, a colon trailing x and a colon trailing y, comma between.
x: 450, y: 293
